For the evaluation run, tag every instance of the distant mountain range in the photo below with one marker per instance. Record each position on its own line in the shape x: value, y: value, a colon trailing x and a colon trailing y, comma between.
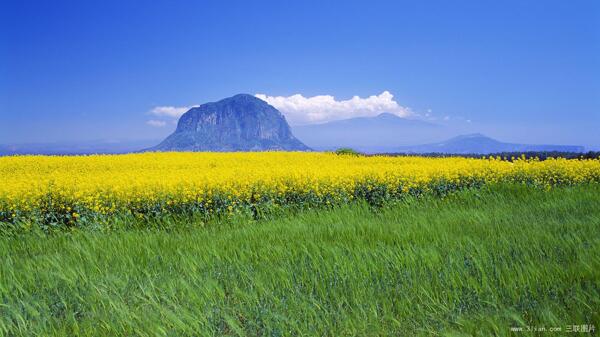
x: 239, y: 123
x: 480, y: 144
x: 246, y: 123
x: 388, y: 133
x: 76, y: 148
x: 383, y: 133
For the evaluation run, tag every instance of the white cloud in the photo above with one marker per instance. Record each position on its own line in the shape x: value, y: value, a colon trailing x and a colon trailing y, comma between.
x: 156, y: 123
x: 167, y: 115
x: 323, y: 108
x: 170, y: 111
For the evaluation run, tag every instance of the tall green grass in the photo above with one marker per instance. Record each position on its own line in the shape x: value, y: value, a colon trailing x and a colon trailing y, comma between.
x: 477, y: 262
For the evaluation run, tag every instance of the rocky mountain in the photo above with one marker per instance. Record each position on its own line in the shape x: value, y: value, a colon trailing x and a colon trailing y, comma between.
x: 382, y: 133
x: 479, y: 144
x: 239, y: 123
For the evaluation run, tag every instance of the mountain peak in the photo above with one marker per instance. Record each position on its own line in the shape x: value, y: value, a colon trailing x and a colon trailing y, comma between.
x: 481, y: 144
x: 238, y: 123
x: 387, y: 115
x: 238, y: 99
x: 380, y: 133
x: 243, y: 96
x: 471, y: 136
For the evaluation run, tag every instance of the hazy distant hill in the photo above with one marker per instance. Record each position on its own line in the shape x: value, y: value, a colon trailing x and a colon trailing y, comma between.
x: 478, y: 143
x: 73, y: 148
x: 239, y: 123
x: 382, y: 133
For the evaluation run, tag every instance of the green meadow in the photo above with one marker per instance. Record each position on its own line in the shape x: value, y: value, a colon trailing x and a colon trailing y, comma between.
x: 481, y: 262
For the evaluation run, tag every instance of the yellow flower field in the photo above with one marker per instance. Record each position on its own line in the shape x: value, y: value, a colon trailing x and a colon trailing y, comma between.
x: 161, y: 182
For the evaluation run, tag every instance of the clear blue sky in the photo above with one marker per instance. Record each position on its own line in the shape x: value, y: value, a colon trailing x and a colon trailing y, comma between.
x: 79, y: 70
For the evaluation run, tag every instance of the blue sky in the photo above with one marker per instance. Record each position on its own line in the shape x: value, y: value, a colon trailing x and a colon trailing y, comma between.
x: 522, y: 71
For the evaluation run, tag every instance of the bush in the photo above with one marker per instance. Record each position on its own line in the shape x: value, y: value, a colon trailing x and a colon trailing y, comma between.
x: 347, y: 151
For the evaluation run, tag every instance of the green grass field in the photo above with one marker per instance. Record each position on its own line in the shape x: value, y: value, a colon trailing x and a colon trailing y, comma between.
x: 477, y: 262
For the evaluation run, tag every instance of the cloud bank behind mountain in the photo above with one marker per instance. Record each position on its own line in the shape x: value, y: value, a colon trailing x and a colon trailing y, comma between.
x: 300, y: 110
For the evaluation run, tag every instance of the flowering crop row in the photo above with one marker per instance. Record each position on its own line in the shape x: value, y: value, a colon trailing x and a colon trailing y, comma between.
x: 63, y: 189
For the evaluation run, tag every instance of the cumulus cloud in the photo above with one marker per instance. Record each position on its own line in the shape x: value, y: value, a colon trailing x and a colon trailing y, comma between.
x: 167, y: 115
x: 323, y: 108
x: 156, y: 123
x: 171, y: 111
